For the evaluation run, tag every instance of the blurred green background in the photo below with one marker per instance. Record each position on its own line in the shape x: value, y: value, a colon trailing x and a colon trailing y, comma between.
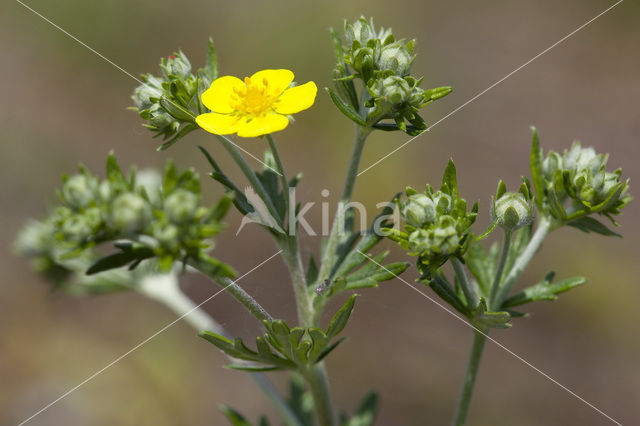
x: 62, y: 104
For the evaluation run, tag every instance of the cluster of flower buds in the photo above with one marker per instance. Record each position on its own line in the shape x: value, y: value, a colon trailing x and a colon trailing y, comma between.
x: 146, y: 215
x: 437, y: 223
x: 170, y: 102
x: 383, y: 64
x: 576, y: 184
x: 512, y: 210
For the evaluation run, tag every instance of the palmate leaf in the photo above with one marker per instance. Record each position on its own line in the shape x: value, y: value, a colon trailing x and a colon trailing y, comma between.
x: 544, y: 290
x: 285, y: 348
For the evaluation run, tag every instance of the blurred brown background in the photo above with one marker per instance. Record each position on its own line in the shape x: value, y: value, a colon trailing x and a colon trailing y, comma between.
x: 62, y: 104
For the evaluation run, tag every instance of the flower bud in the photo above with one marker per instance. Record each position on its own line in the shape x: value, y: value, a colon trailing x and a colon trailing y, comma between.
x: 77, y: 228
x: 395, y: 58
x: 147, y: 93
x: 443, y: 202
x: 160, y: 119
x: 439, y: 239
x: 512, y: 211
x: 395, y: 90
x: 550, y: 164
x: 176, y: 65
x: 579, y: 158
x: 151, y: 181
x: 419, y: 210
x: 130, y: 212
x: 35, y: 238
x: 78, y: 191
x: 360, y: 30
x: 167, y: 235
x: 181, y: 206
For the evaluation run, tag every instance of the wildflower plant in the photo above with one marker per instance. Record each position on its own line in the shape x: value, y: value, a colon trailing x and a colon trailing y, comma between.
x: 140, y: 231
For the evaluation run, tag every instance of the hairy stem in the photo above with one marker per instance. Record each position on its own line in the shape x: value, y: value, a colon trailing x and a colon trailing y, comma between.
x: 497, y: 279
x: 319, y: 385
x: 544, y: 227
x: 466, y: 392
x: 469, y: 293
x: 337, y: 229
x: 165, y: 289
x: 290, y: 245
x: 235, y: 290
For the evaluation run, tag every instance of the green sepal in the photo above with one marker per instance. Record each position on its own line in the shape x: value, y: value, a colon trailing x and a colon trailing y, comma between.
x: 176, y: 111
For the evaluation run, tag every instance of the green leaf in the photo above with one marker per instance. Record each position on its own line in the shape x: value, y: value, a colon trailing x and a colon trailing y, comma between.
x: 127, y: 255
x: 442, y: 288
x: 114, y: 173
x: 211, y: 66
x: 483, y: 319
x: 544, y: 290
x: 482, y: 264
x: 588, y: 224
x: 252, y: 368
x: 340, y: 319
x: 312, y: 271
x: 326, y: 351
x: 536, y: 168
x: 365, y: 414
x: 449, y: 179
x: 347, y: 110
x: 233, y: 416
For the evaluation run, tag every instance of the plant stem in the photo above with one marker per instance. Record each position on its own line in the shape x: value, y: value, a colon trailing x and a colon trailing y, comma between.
x: 318, y: 383
x: 469, y: 292
x: 235, y: 290
x: 291, y: 255
x: 283, y: 177
x: 317, y: 376
x: 250, y: 175
x: 497, y: 279
x: 466, y: 392
x: 337, y: 228
x: 544, y: 227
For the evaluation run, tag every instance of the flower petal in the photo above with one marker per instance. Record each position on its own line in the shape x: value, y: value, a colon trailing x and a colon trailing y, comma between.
x: 219, y: 124
x: 278, y: 80
x: 218, y: 95
x: 262, y: 125
x: 297, y: 98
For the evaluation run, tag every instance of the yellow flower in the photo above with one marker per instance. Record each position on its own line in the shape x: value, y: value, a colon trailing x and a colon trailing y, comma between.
x: 256, y: 106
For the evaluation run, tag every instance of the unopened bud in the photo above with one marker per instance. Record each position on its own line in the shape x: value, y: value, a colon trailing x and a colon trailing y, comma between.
x: 512, y: 211
x: 419, y: 210
x: 181, y: 206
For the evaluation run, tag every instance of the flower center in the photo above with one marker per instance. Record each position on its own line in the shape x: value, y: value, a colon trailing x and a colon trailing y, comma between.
x: 255, y: 99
